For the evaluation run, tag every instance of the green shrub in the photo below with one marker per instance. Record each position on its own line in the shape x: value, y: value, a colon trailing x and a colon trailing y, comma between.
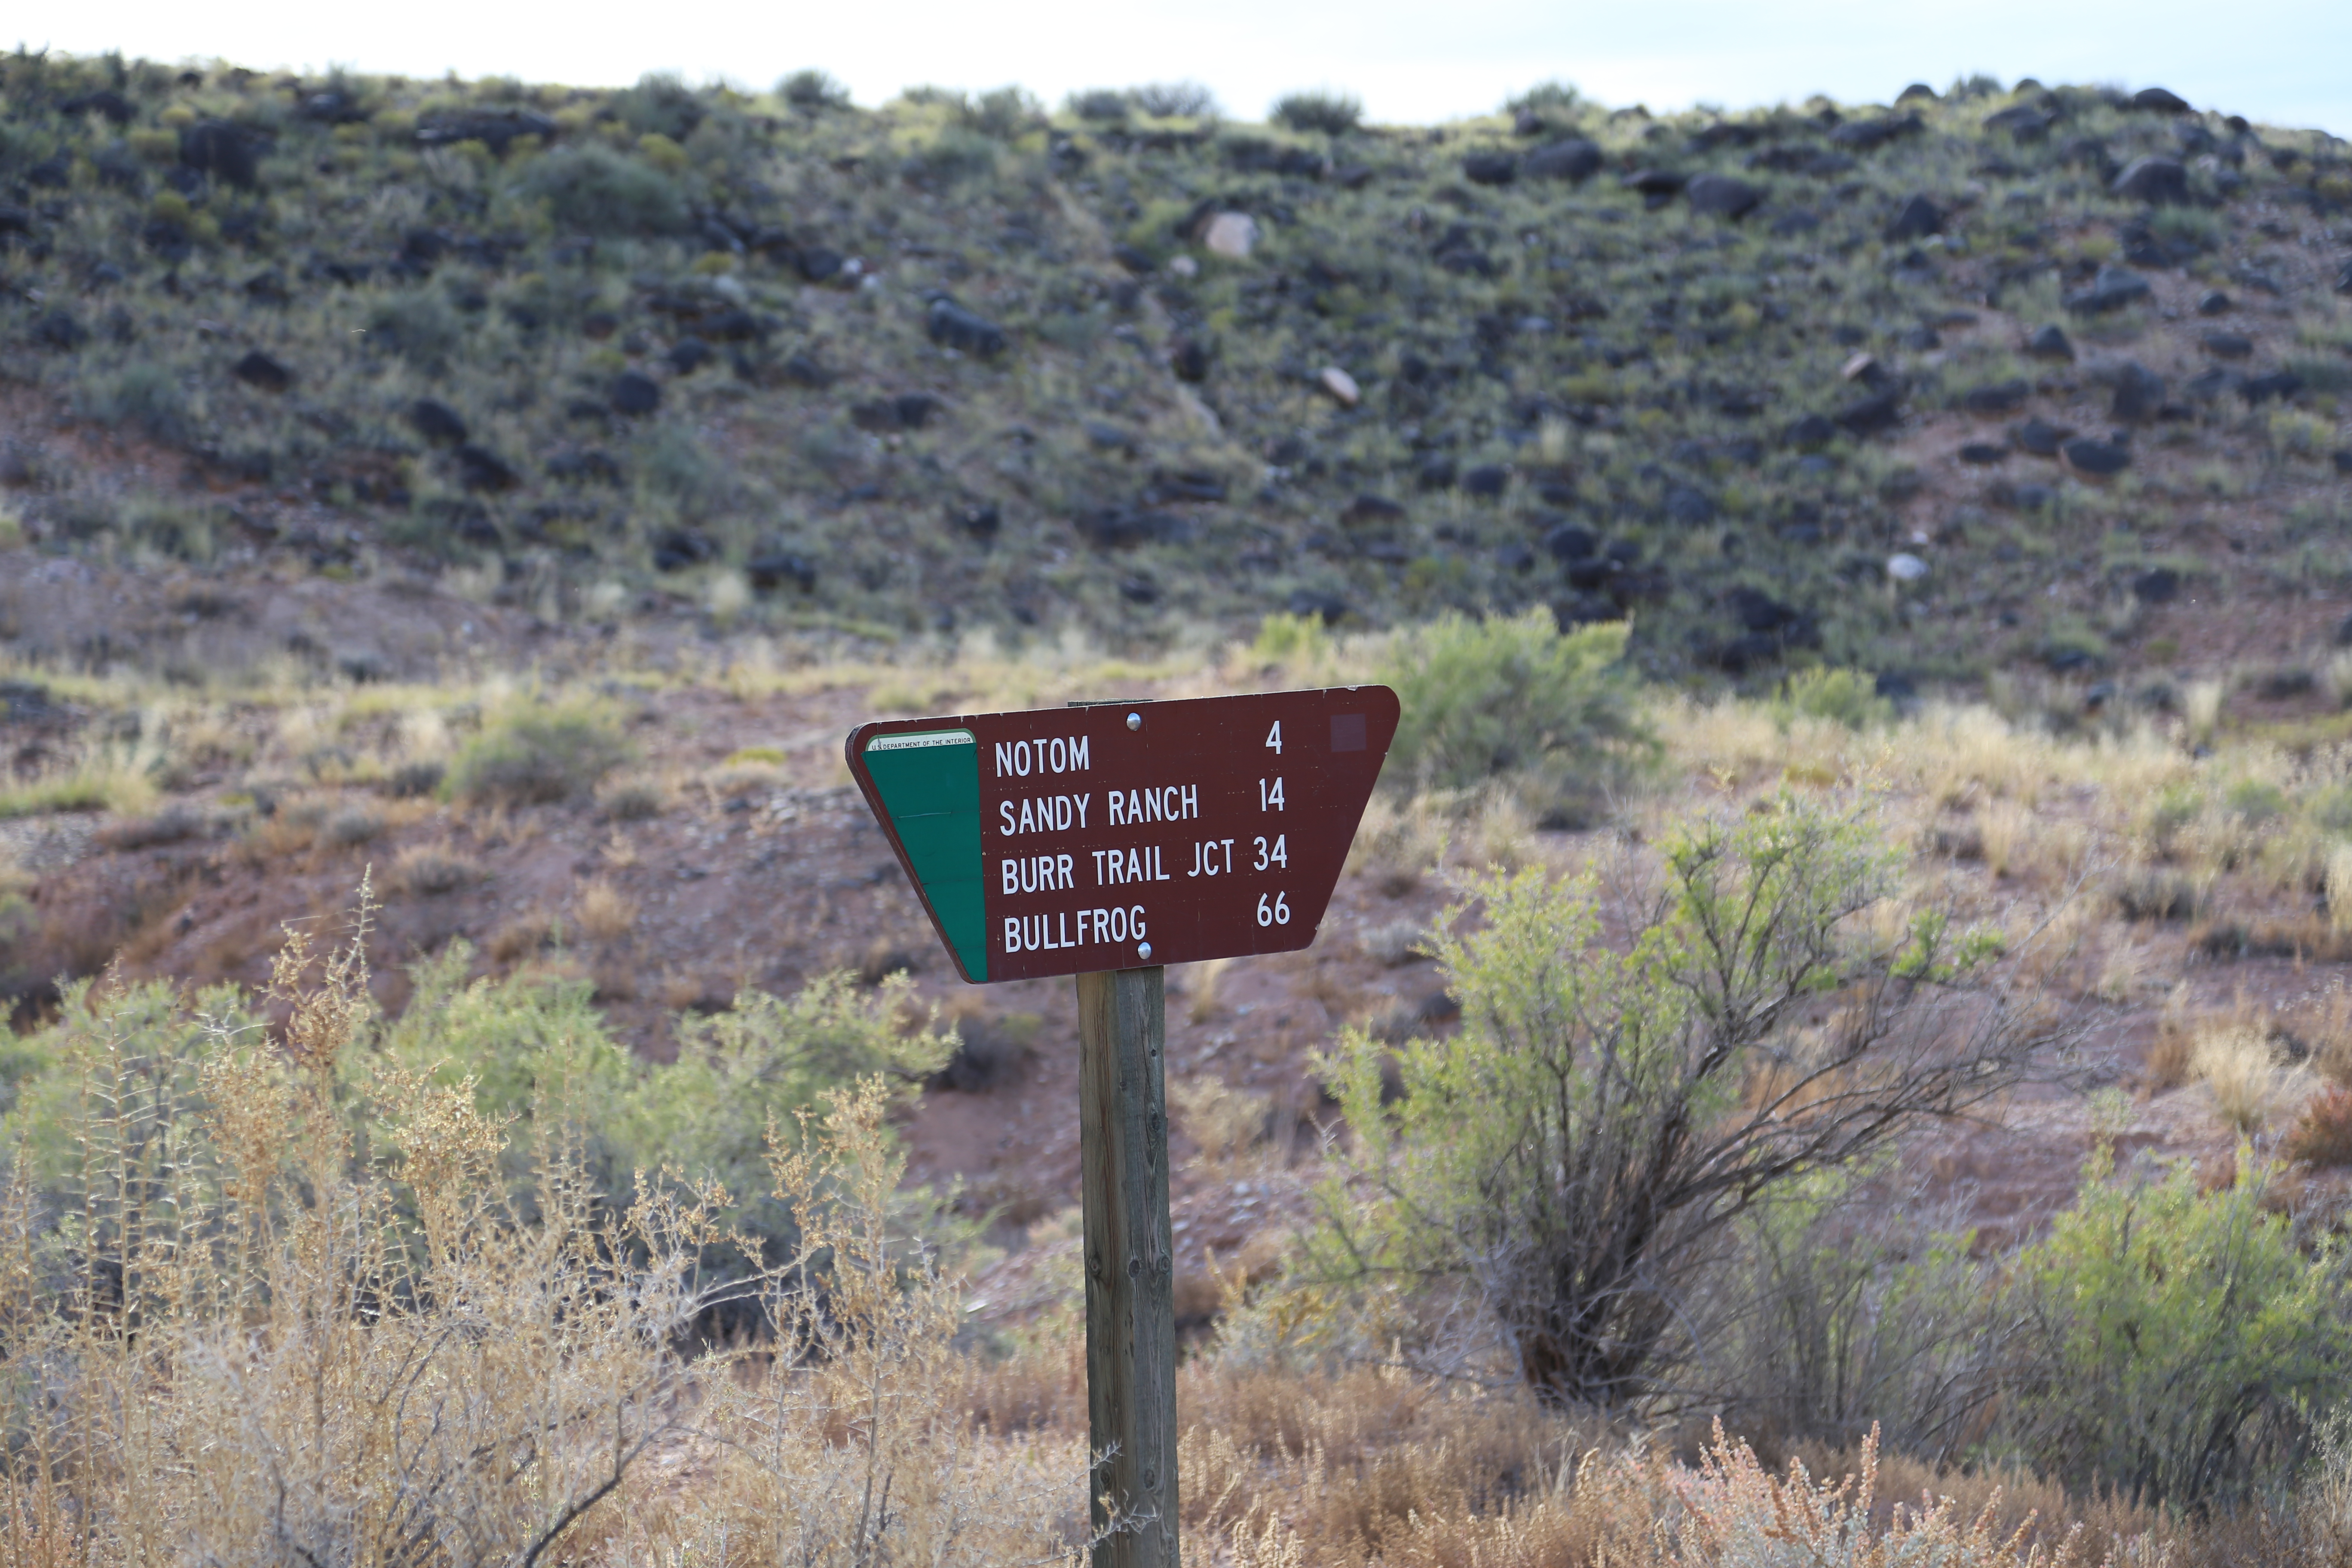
x: 1616, y: 1098
x: 953, y: 157
x: 1841, y: 1310
x: 661, y: 105
x: 1099, y: 104
x: 812, y: 92
x: 419, y: 325
x: 145, y: 394
x: 2256, y: 802
x: 1847, y: 696
x: 1483, y: 698
x: 1004, y: 114
x: 2183, y: 1343
x: 1333, y: 113
x: 528, y: 1043
x: 1555, y: 98
x: 1282, y: 637
x: 595, y: 190
x: 534, y: 753
x: 1174, y: 101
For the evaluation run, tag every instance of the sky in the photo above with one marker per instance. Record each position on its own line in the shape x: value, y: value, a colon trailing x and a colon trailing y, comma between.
x: 2284, y: 62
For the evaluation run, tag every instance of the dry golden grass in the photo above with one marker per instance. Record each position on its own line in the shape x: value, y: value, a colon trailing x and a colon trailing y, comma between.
x: 2005, y: 828
x: 1502, y: 834
x: 520, y: 937
x: 431, y: 870
x: 1222, y: 1122
x: 2324, y: 1025
x: 2169, y: 1054
x: 1398, y: 844
x: 2243, y: 1067
x: 604, y: 911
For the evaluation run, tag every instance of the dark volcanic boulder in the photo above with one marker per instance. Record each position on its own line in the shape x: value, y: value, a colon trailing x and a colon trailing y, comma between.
x: 1869, y: 135
x: 2025, y: 121
x: 1313, y: 602
x: 1869, y: 416
x: 1575, y: 159
x: 633, y: 391
x: 1569, y: 542
x: 106, y: 103
x: 1121, y: 528
x: 579, y: 468
x: 437, y: 421
x: 2097, y: 459
x: 952, y: 326
x: 2040, y: 438
x: 2159, y: 100
x: 258, y: 369
x: 2001, y: 397
x: 2281, y: 385
x: 1722, y: 195
x: 1919, y: 218
x: 2111, y: 290
x: 2139, y: 393
x: 2050, y: 342
x: 1490, y: 168
x: 772, y: 568
x: 2158, y: 585
x: 226, y: 152
x: 1812, y: 430
x: 59, y: 330
x: 1689, y: 506
x: 479, y: 469
x: 2158, y: 180
x: 675, y: 549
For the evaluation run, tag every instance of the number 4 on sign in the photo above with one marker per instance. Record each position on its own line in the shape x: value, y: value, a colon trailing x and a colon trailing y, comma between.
x: 1274, y: 738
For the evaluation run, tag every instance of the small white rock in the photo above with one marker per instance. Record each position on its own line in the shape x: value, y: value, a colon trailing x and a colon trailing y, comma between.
x: 1339, y: 384
x: 1905, y: 567
x: 1231, y: 235
x: 1857, y: 367
x: 1183, y: 266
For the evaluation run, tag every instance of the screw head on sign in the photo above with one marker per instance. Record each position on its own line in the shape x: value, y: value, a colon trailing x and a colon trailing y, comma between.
x: 1135, y: 721
x: 1143, y: 950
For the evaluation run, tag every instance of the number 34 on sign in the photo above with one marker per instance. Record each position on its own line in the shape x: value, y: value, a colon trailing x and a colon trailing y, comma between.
x: 1119, y: 834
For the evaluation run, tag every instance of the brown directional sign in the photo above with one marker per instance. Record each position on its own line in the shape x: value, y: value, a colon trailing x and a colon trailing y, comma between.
x: 1113, y: 836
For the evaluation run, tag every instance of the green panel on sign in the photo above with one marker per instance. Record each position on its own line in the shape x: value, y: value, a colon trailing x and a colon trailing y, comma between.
x: 929, y: 783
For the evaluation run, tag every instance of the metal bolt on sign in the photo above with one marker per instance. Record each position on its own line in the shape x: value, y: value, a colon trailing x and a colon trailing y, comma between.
x: 1109, y: 841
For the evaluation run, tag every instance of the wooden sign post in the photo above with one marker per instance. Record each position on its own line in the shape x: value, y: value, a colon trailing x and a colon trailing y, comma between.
x: 1130, y: 1253
x: 1106, y: 840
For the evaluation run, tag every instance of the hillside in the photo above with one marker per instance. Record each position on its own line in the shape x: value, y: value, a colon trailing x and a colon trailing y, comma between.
x: 2040, y: 381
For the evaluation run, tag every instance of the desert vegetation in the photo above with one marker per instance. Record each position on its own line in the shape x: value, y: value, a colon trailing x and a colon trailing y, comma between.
x: 695, y: 1305
x: 1831, y: 1044
x: 1779, y: 386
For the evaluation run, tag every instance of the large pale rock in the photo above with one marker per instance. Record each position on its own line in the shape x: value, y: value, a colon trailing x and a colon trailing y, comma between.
x: 1231, y: 235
